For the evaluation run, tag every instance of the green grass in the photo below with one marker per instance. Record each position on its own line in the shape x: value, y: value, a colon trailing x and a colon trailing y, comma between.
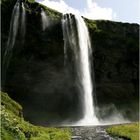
x: 51, y: 12
x: 91, y: 24
x: 31, y: 1
x: 128, y: 131
x: 14, y: 127
x: 54, y: 14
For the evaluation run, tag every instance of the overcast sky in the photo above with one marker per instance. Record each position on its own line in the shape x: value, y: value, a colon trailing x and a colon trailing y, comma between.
x: 117, y: 10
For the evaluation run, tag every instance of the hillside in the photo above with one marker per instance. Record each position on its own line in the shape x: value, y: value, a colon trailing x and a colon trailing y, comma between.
x: 14, y: 127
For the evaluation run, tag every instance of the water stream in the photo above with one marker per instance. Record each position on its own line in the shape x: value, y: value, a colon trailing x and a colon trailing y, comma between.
x: 17, y: 21
x: 79, y: 41
x: 12, y: 34
x: 44, y: 19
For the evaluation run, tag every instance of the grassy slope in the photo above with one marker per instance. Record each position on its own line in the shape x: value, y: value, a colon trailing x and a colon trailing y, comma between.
x: 14, y: 127
x: 128, y: 131
x: 33, y: 5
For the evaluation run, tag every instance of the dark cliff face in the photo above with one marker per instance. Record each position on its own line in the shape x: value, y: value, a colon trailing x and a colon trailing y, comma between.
x: 46, y: 88
x: 116, y: 63
x: 116, y: 51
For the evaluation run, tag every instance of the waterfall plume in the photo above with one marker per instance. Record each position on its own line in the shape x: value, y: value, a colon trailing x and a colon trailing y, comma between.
x: 77, y: 38
x: 17, y: 23
x: 44, y: 19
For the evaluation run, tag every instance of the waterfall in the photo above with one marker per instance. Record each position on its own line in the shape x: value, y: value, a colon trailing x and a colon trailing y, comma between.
x: 13, y: 29
x: 45, y: 20
x: 78, y: 40
x: 23, y: 24
x: 17, y: 21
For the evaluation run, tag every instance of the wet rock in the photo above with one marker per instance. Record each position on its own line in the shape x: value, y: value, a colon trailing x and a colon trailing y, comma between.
x: 91, y: 133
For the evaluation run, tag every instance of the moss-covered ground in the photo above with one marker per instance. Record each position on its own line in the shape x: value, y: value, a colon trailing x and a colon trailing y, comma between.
x: 127, y: 131
x: 14, y: 127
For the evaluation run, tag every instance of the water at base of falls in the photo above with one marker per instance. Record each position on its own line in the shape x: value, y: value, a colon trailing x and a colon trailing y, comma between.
x: 82, y: 52
x: 91, y: 133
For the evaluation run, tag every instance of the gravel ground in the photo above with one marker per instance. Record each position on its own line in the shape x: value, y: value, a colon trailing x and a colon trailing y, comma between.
x: 91, y: 133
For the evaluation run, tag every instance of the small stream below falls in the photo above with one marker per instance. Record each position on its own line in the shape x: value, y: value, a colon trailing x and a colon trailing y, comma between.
x: 91, y: 133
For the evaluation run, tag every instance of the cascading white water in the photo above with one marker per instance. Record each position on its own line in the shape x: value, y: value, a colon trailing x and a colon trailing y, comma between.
x: 23, y: 23
x: 85, y: 70
x: 17, y: 20
x: 45, y: 20
x: 82, y: 51
x: 13, y: 29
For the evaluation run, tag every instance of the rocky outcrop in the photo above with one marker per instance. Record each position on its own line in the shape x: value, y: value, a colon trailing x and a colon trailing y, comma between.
x: 47, y: 87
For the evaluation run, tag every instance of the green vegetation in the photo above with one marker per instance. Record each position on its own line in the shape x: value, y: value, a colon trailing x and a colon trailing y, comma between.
x: 14, y: 127
x: 91, y: 24
x: 51, y: 12
x: 35, y: 7
x: 128, y: 131
x: 31, y: 1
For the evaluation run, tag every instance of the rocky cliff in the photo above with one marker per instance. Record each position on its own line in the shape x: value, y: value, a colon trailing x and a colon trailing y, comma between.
x: 47, y: 86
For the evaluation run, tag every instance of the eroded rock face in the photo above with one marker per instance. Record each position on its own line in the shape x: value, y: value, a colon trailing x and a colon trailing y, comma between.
x: 39, y: 80
x: 115, y: 51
